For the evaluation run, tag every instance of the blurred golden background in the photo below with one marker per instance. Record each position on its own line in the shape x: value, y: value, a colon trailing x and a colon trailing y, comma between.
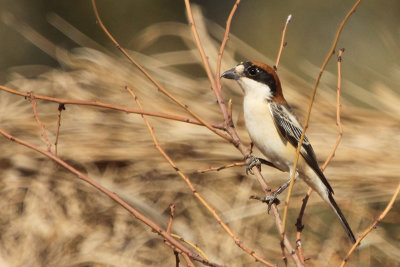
x: 55, y: 48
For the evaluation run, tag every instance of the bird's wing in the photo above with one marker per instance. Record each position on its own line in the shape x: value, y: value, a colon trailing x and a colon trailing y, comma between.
x: 290, y: 130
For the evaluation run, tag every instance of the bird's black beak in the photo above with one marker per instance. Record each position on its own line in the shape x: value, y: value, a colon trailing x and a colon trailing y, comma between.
x: 231, y: 74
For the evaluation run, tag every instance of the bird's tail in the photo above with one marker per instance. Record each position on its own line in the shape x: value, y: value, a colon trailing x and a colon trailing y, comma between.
x: 342, y: 219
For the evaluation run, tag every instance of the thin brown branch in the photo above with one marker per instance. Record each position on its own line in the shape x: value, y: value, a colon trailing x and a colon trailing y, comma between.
x: 299, y: 224
x: 338, y: 109
x: 176, y: 258
x: 41, y: 125
x: 188, y: 260
x: 206, y: 64
x: 230, y: 109
x: 150, y: 78
x: 284, y: 258
x: 193, y: 189
x: 203, y: 55
x: 171, y: 217
x: 372, y: 226
x: 330, y: 53
x: 286, y: 241
x: 223, y: 44
x: 61, y: 107
x: 109, y: 106
x: 235, y: 164
x: 283, y: 43
x: 173, y: 242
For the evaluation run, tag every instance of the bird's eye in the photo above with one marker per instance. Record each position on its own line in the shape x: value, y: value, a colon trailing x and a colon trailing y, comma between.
x: 252, y: 70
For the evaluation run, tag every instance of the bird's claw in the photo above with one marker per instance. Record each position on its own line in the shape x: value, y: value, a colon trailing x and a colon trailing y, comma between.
x: 271, y: 199
x: 253, y: 161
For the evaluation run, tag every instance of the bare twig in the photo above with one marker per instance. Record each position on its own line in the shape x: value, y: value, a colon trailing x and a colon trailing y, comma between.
x: 223, y: 44
x: 61, y: 107
x: 330, y: 53
x: 206, y: 64
x: 203, y: 55
x: 372, y: 226
x: 299, y: 224
x: 235, y: 164
x: 173, y: 242
x: 193, y: 189
x: 176, y: 258
x: 148, y: 76
x: 286, y: 241
x: 188, y: 260
x: 230, y: 109
x: 171, y: 217
x: 338, y: 109
x: 283, y: 43
x: 42, y: 127
x: 109, y: 106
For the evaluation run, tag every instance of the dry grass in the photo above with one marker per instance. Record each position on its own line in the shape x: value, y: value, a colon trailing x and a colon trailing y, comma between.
x: 49, y: 218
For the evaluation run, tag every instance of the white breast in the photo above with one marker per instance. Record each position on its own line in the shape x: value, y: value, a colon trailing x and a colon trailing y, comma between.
x: 264, y: 134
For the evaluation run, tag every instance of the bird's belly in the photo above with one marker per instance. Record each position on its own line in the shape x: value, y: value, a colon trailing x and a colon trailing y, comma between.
x: 263, y: 133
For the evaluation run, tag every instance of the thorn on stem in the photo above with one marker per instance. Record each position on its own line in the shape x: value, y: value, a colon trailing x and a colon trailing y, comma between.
x: 61, y: 107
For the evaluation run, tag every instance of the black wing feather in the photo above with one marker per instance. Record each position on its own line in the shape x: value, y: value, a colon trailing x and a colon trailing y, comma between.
x: 291, y: 131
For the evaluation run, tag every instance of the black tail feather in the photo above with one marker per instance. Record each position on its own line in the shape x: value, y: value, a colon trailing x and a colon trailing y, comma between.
x: 342, y: 219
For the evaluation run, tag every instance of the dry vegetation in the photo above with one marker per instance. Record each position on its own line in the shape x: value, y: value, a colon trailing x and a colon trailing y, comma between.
x: 50, y: 218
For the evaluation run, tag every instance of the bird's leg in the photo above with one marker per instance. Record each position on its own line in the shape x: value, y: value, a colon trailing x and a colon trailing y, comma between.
x: 254, y: 161
x: 273, y: 197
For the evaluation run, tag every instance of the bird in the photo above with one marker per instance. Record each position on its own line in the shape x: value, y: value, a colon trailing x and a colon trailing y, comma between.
x: 275, y: 130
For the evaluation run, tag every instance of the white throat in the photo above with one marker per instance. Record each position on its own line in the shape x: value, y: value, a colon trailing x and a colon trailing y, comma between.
x: 255, y: 89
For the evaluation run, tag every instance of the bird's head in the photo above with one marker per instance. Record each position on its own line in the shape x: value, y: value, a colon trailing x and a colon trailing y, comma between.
x: 257, y: 79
